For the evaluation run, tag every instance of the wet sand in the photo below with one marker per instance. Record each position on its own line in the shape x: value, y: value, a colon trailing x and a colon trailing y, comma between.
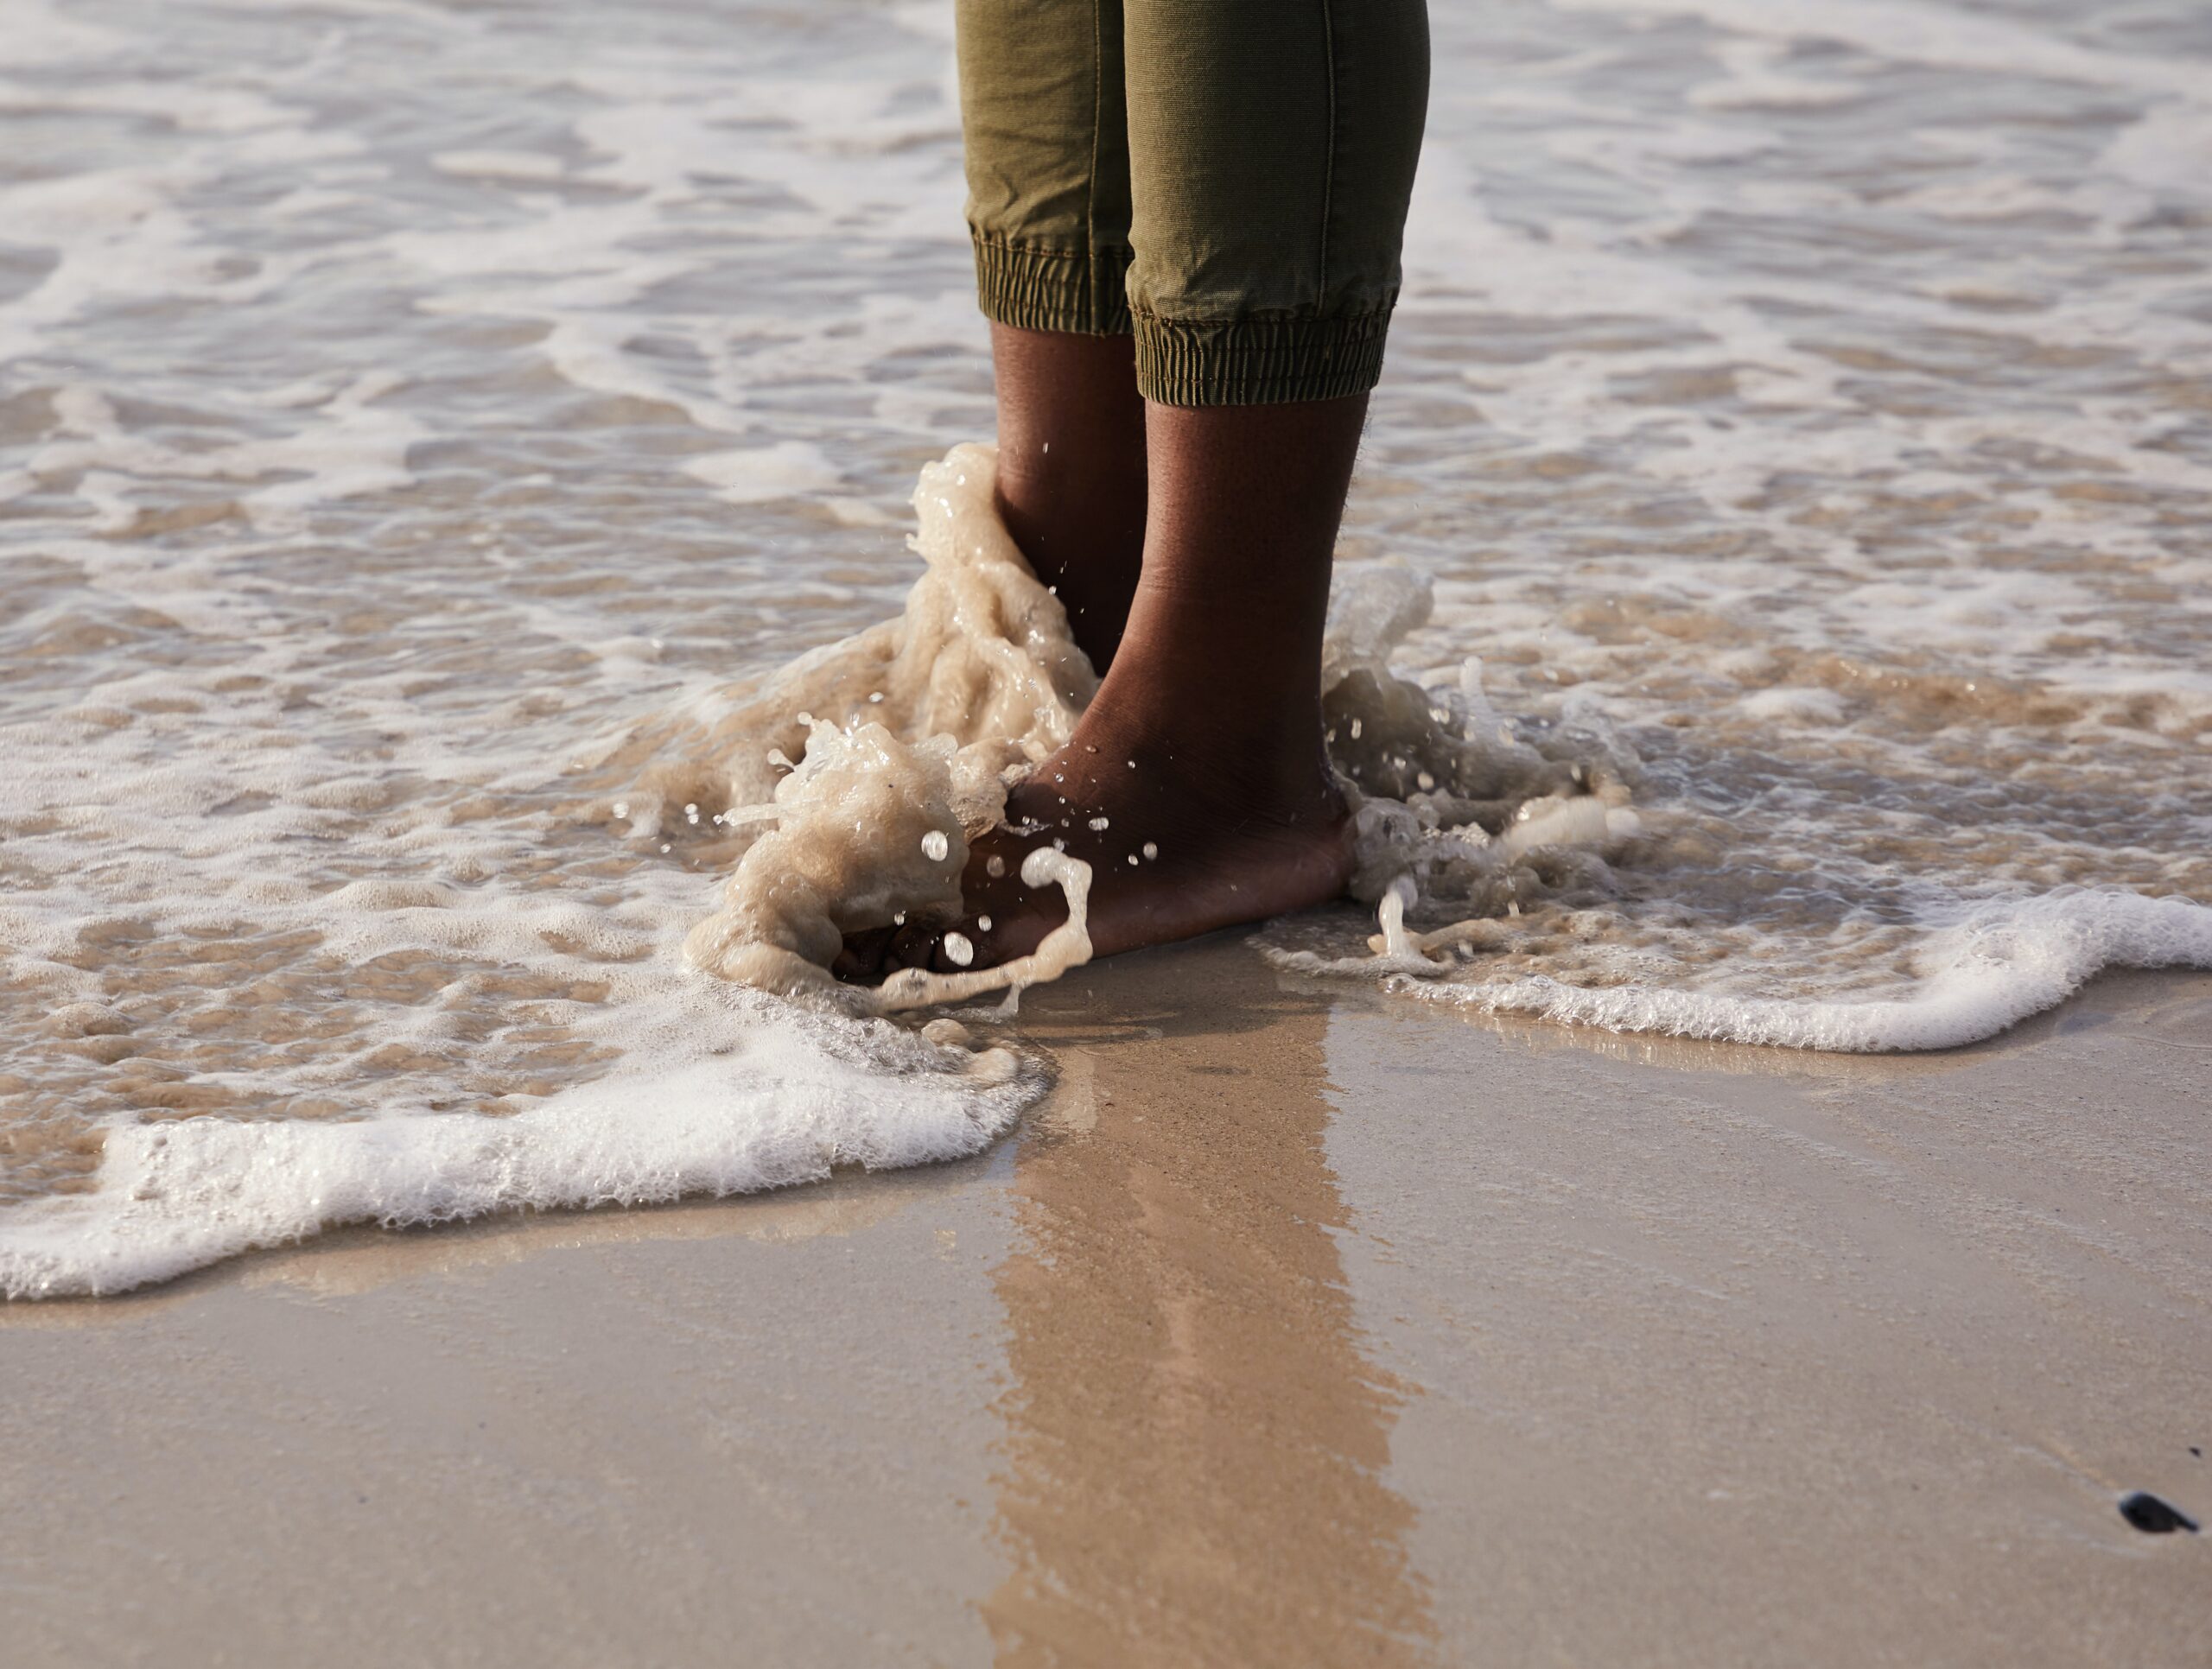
x: 1297, y: 1326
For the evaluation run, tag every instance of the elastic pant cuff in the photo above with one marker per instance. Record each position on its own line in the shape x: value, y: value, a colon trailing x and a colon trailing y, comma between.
x: 1260, y: 361
x: 1031, y: 288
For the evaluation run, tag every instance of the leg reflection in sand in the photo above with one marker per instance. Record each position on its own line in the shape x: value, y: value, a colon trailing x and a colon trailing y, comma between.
x: 1195, y: 1442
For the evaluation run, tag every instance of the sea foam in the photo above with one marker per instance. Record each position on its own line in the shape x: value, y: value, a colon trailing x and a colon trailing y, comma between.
x: 1790, y: 404
x: 1998, y: 964
x: 778, y: 1108
x: 1559, y: 897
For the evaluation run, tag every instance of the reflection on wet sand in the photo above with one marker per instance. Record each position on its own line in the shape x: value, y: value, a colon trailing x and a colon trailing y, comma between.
x: 1195, y: 1441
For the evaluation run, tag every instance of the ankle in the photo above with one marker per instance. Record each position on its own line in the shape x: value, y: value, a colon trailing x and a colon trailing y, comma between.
x: 1246, y: 754
x: 1083, y: 539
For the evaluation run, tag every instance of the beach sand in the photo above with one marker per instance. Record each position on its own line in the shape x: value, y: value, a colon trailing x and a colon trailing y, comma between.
x: 1298, y: 1326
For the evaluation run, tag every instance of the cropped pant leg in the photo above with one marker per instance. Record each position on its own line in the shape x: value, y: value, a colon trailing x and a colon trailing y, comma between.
x: 1043, y: 117
x: 1228, y: 178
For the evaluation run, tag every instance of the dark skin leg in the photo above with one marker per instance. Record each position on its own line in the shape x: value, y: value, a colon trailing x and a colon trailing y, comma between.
x: 1204, y: 741
x: 1072, y: 472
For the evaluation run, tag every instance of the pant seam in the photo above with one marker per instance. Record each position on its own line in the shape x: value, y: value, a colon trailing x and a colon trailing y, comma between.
x: 1091, y: 179
x: 1329, y: 164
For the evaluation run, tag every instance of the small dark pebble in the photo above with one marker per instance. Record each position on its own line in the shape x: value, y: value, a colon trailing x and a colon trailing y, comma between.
x: 2152, y: 1516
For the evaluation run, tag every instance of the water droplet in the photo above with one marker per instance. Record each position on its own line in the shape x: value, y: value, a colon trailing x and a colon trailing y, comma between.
x: 1132, y: 860
x: 1098, y: 823
x: 621, y: 808
x: 1356, y: 728
x: 1151, y: 851
x: 994, y: 865
x: 875, y: 696
x: 935, y: 846
x: 664, y: 846
x: 1425, y: 781
x: 984, y: 922
x: 958, y: 950
x: 899, y: 920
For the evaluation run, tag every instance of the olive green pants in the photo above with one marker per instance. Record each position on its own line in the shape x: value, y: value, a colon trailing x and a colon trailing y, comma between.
x: 1228, y: 178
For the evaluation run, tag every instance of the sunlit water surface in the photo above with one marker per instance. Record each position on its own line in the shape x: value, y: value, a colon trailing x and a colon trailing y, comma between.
x: 1810, y: 405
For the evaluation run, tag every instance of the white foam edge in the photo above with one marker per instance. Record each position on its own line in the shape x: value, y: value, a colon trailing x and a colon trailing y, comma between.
x: 1410, y: 950
x: 2003, y: 962
x: 1067, y: 946
x: 173, y: 1196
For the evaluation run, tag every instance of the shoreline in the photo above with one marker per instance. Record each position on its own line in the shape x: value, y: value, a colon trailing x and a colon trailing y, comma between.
x: 1295, y: 1320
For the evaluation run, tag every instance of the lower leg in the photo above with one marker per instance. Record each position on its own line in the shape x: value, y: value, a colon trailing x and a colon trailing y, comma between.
x: 1196, y: 785
x: 1223, y: 644
x: 1072, y: 472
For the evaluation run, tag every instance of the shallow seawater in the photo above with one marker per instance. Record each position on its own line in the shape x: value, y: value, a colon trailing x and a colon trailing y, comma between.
x: 1803, y: 412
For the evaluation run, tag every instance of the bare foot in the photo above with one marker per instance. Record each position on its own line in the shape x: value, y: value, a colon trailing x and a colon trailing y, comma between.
x: 1177, y: 847
x: 1196, y: 786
